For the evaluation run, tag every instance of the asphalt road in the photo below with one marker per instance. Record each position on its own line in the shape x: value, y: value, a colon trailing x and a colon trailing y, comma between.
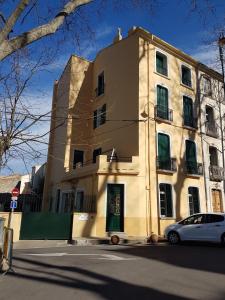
x: 117, y: 272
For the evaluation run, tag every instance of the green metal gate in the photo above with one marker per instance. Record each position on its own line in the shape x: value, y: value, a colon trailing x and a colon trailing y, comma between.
x: 45, y: 225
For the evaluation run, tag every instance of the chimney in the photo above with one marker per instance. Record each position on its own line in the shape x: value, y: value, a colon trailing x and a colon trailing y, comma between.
x: 118, y: 37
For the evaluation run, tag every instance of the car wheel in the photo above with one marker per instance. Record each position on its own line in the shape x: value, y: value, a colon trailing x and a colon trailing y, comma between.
x: 173, y: 238
x: 223, y: 239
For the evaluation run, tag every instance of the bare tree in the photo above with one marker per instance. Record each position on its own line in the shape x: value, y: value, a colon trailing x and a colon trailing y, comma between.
x: 21, y: 119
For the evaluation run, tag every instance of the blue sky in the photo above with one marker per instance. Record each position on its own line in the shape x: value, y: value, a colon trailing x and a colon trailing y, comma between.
x: 171, y: 20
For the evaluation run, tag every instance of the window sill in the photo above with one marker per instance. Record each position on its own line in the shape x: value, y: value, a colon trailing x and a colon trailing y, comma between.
x: 99, y: 96
x: 197, y: 176
x: 190, y: 128
x: 167, y: 218
x: 187, y: 86
x: 168, y: 172
x: 158, y: 119
x: 162, y: 75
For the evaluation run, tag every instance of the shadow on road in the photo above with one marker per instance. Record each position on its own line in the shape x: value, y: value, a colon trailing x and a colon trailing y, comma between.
x: 203, y: 257
x: 106, y: 287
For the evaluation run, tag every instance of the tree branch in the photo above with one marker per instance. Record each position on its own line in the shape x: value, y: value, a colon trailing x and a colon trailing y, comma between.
x: 7, y: 47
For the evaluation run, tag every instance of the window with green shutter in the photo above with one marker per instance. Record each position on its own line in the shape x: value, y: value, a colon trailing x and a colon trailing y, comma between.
x: 164, y: 152
x: 162, y: 103
x: 191, y: 160
x: 186, y: 75
x: 188, y: 111
x: 193, y: 196
x: 166, y: 203
x: 161, y: 63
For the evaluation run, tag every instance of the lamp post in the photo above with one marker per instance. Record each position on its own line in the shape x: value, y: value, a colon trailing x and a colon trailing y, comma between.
x: 221, y: 43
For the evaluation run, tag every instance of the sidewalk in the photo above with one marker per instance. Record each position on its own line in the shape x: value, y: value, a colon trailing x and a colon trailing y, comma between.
x: 29, y: 244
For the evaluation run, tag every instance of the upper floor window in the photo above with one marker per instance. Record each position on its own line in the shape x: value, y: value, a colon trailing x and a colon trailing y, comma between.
x: 186, y: 75
x: 99, y: 116
x: 78, y: 158
x: 165, y: 197
x: 101, y: 85
x: 161, y: 63
x: 210, y: 123
x: 162, y: 109
x: 164, y: 151
x: 96, y: 153
x: 193, y: 197
x: 188, y: 112
x: 207, y: 86
x: 191, y: 157
x: 213, y: 157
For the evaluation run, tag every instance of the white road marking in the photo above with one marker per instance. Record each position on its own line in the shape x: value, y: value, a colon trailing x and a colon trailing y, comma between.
x: 102, y: 256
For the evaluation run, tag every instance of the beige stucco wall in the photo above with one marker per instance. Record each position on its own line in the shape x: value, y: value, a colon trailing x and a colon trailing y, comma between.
x: 15, y: 223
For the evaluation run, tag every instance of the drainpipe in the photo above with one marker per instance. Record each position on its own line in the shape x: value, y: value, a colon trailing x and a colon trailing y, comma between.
x: 221, y: 43
x: 201, y: 134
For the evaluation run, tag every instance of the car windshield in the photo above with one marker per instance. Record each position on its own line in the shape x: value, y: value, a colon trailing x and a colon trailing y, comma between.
x: 196, y: 219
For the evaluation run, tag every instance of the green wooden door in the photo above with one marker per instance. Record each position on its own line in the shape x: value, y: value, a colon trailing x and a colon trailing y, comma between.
x: 46, y: 225
x: 164, y: 151
x: 115, y: 207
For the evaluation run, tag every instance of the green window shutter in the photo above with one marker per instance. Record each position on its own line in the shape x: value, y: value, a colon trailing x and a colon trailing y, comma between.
x: 162, y: 102
x: 191, y: 159
x: 188, y: 111
x: 164, y: 151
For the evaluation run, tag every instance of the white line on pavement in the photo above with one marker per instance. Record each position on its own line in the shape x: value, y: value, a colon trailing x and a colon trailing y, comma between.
x: 102, y: 256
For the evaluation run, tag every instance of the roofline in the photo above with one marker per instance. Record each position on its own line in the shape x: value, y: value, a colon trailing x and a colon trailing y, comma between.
x: 148, y: 35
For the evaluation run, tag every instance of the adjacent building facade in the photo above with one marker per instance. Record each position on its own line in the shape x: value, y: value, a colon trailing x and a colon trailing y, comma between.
x: 136, y: 138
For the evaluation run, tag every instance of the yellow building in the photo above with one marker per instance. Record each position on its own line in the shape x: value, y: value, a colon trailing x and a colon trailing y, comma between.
x: 125, y: 146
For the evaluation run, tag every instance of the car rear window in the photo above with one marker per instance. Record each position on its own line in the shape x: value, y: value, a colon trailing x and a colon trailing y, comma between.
x: 214, y: 218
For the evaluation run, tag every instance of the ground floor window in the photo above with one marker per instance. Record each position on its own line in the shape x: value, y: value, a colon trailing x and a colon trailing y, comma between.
x: 165, y: 197
x: 79, y: 201
x: 193, y: 196
x: 67, y: 202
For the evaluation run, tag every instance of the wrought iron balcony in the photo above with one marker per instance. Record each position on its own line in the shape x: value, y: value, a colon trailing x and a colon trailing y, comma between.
x: 193, y: 168
x: 100, y: 90
x: 163, y: 113
x: 162, y: 70
x: 216, y: 173
x: 169, y: 164
x: 211, y: 129
x: 190, y: 122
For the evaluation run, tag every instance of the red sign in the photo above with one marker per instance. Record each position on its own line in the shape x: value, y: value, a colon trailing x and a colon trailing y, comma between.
x: 15, y: 192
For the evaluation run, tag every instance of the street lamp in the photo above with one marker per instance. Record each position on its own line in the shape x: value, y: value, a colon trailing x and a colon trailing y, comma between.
x: 221, y: 43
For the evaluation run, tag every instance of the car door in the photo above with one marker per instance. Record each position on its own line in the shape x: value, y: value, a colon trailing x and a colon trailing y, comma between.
x: 192, y: 228
x: 215, y: 226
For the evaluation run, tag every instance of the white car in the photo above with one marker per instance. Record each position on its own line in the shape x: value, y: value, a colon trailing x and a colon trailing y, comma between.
x: 208, y: 227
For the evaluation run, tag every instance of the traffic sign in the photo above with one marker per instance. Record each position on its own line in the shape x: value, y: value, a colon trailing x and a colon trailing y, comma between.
x: 13, y: 204
x: 15, y: 192
x: 14, y: 198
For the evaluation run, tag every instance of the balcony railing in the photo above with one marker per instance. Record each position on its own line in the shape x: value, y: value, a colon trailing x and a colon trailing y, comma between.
x: 169, y: 164
x: 211, y: 129
x: 193, y: 168
x: 164, y: 113
x: 100, y: 90
x: 216, y: 173
x: 162, y: 70
x: 190, y: 122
